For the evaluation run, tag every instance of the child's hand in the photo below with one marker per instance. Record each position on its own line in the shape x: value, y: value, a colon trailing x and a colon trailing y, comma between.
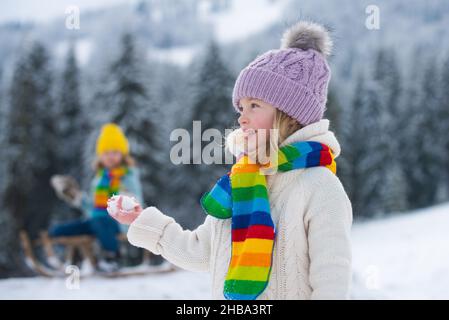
x: 124, y: 209
x: 67, y: 189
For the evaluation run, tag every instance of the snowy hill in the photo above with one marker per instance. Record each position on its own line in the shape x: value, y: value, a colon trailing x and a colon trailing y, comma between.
x: 403, y: 257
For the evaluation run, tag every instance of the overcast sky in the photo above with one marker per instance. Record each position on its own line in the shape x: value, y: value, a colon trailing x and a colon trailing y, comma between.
x: 42, y: 10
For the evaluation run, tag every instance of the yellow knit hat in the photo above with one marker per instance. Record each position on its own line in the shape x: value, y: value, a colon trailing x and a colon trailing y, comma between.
x: 112, y: 139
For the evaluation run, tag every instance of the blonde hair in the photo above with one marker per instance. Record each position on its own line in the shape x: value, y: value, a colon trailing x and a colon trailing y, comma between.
x: 286, y: 125
x: 127, y: 161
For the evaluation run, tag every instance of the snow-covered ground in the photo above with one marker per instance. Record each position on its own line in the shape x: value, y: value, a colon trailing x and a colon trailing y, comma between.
x: 176, y: 285
x: 402, y: 257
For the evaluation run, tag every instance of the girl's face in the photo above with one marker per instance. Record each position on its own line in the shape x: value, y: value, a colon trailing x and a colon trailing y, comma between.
x: 111, y: 159
x: 256, y: 119
x: 256, y: 114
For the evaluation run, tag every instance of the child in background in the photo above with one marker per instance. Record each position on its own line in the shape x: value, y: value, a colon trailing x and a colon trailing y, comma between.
x: 116, y: 173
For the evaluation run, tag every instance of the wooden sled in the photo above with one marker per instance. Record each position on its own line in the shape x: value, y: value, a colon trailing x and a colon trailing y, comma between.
x: 84, y: 245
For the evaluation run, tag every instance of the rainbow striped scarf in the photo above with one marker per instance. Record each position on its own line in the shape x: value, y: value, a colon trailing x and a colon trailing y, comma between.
x: 242, y: 195
x: 108, y: 185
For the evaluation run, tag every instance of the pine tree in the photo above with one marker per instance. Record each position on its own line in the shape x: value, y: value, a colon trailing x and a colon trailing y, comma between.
x: 411, y: 127
x: 212, y: 92
x: 212, y: 106
x: 339, y: 116
x: 349, y: 164
x: 2, y: 109
x: 387, y: 76
x: 443, y: 125
x: 125, y: 100
x: 29, y: 154
x: 425, y: 165
x: 362, y: 162
x: 341, y: 122
x: 3, y: 114
x: 71, y: 124
x: 334, y: 111
x: 10, y: 262
x: 71, y: 128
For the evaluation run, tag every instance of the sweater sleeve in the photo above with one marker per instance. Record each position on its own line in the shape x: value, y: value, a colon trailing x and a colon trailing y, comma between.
x: 328, y: 220
x: 162, y: 235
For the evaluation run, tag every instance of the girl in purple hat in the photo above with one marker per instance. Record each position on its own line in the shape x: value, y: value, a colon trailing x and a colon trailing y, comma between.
x: 284, y: 235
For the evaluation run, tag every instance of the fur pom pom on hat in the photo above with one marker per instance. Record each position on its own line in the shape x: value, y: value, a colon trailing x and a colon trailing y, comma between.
x: 307, y: 35
x: 294, y: 78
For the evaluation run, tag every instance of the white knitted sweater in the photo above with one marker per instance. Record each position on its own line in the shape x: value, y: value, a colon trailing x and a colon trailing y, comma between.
x: 312, y: 216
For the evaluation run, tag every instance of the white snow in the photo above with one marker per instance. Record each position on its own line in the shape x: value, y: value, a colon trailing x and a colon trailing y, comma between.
x: 244, y: 18
x: 83, y: 49
x: 401, y: 257
x: 176, y: 285
x: 112, y: 205
x: 181, y: 56
x: 128, y: 203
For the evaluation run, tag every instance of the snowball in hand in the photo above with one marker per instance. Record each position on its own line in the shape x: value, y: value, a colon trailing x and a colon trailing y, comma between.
x: 127, y: 204
x: 112, y: 205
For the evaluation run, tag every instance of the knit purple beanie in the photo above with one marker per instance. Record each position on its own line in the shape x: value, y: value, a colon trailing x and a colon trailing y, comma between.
x: 294, y: 78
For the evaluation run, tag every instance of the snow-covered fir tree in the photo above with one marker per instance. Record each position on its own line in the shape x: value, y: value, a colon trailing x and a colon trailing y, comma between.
x: 426, y: 165
x: 30, y: 148
x: 71, y: 128
x: 124, y: 99
x: 3, y: 114
x: 387, y: 76
x: 349, y: 170
x: 71, y: 123
x: 212, y: 106
x: 364, y: 159
x: 444, y: 122
x: 334, y: 111
x: 438, y: 126
x: 411, y: 130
